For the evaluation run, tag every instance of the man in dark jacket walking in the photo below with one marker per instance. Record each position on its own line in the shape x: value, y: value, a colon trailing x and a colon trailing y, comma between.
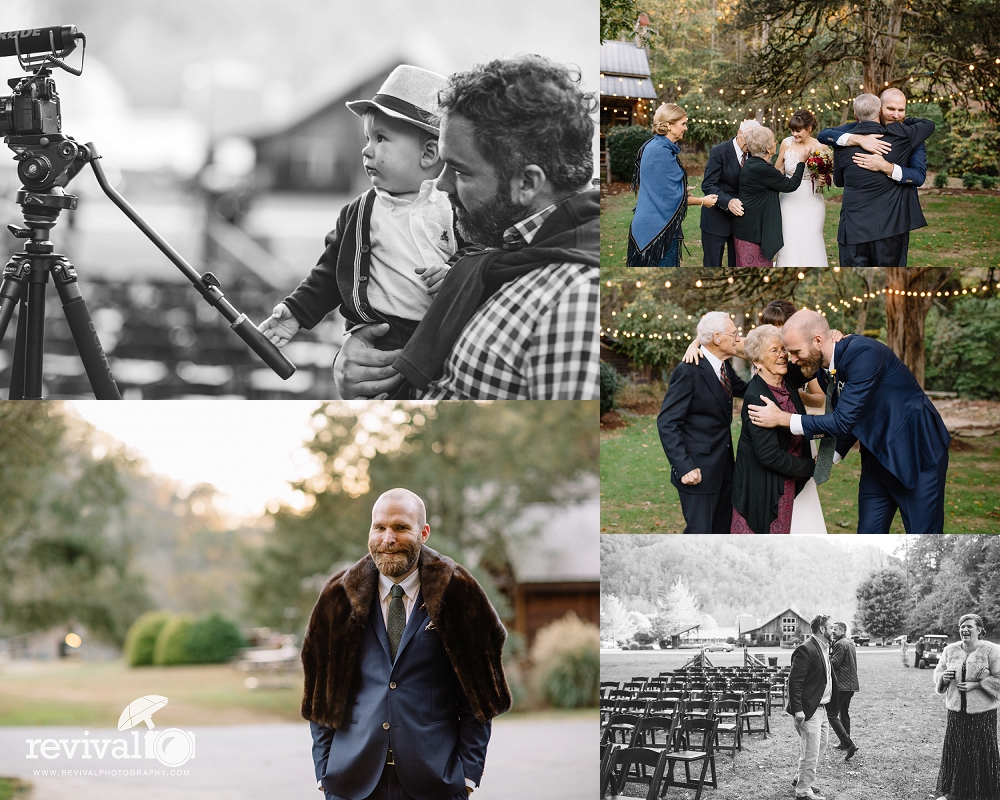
x: 844, y: 659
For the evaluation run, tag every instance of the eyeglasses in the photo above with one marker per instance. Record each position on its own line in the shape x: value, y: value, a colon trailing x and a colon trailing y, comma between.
x: 735, y: 334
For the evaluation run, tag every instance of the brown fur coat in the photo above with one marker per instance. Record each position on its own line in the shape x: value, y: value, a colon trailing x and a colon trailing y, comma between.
x: 470, y: 631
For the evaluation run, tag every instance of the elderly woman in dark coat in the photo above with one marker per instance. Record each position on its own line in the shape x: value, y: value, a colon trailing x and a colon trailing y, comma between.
x: 772, y: 464
x: 757, y: 233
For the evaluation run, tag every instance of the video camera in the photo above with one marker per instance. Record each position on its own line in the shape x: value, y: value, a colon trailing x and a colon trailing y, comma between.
x: 31, y: 124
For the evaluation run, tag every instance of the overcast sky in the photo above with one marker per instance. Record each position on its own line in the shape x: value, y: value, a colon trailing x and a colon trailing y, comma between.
x: 251, y: 451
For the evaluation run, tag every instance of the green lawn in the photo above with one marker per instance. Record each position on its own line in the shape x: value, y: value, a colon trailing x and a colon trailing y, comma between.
x: 897, y: 721
x: 961, y: 231
x: 637, y: 496
x: 13, y: 788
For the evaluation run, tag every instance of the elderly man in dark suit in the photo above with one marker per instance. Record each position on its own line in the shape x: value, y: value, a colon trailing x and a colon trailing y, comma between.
x: 845, y: 666
x: 875, y: 400
x: 876, y: 214
x: 402, y: 660
x: 811, y: 685
x: 722, y: 178
x: 694, y: 425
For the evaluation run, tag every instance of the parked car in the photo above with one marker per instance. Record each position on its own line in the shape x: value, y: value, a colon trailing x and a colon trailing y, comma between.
x: 861, y: 641
x: 719, y: 647
x: 933, y: 645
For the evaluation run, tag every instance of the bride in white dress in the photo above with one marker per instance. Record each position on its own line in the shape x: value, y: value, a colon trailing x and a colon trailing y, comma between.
x: 803, y: 211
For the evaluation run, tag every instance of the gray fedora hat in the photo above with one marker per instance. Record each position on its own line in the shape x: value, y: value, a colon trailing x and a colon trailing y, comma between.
x: 410, y: 94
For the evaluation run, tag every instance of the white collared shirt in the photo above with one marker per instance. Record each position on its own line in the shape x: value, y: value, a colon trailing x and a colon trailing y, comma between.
x: 897, y: 171
x: 739, y: 151
x: 795, y: 424
x: 411, y: 586
x: 406, y: 234
x: 714, y: 361
x: 824, y: 647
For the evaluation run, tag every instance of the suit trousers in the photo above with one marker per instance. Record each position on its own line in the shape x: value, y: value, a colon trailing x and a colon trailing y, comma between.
x: 712, y: 246
x: 814, y: 734
x: 889, y: 252
x: 845, y: 711
x: 709, y: 513
x: 389, y: 788
x: 880, y: 493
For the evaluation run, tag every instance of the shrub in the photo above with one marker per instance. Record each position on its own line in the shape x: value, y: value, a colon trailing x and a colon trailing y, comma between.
x: 961, y: 348
x: 611, y: 383
x: 172, y: 643
x: 641, y: 637
x: 970, y: 181
x: 567, y: 661
x: 623, y: 143
x: 974, y: 142
x: 989, y: 181
x: 941, y: 180
x: 213, y: 640
x: 141, y: 638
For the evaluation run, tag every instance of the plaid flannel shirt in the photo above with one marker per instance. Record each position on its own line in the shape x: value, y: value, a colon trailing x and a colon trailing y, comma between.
x: 535, y: 339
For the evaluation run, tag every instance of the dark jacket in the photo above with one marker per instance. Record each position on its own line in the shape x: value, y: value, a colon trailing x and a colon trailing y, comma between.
x: 722, y: 177
x: 845, y: 664
x: 694, y: 425
x: 914, y: 171
x: 807, y: 680
x: 763, y: 462
x: 437, y: 697
x: 760, y: 183
x: 879, y: 403
x: 874, y: 206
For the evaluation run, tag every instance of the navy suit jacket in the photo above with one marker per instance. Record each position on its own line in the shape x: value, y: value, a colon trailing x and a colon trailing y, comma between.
x: 807, y: 680
x: 879, y: 403
x: 722, y: 177
x: 436, y: 741
x: 914, y: 171
x: 694, y: 425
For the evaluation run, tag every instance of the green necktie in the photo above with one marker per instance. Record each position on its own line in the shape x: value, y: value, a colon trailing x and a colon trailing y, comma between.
x: 828, y: 444
x: 397, y: 619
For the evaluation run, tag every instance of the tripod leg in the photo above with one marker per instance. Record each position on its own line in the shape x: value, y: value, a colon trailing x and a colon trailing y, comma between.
x: 35, y: 330
x: 17, y: 368
x: 82, y: 327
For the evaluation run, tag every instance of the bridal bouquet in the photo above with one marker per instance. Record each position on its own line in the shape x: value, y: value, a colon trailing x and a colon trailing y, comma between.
x: 820, y: 166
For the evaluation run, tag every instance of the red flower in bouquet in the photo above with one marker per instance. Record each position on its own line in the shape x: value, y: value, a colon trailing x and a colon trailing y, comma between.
x: 820, y: 166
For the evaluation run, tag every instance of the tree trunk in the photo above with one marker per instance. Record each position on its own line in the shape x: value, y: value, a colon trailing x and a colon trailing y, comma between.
x: 881, y: 23
x: 905, y: 311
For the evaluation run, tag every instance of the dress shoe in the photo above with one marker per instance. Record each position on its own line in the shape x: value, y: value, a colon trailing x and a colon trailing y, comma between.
x: 850, y: 752
x: 811, y: 794
x: 814, y: 787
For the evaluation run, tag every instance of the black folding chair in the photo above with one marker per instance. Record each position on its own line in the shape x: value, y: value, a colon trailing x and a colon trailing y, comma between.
x: 637, y: 765
x: 699, y: 736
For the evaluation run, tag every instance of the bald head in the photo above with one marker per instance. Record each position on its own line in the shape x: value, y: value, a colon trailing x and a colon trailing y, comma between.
x: 806, y: 335
x: 893, y: 106
x: 399, y: 528
x: 405, y: 498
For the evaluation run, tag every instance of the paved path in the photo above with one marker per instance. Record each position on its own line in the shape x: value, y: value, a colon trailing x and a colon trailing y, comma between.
x: 528, y: 758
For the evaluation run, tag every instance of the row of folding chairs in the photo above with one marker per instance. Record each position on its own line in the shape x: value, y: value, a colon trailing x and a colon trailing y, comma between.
x: 656, y: 766
x: 760, y: 702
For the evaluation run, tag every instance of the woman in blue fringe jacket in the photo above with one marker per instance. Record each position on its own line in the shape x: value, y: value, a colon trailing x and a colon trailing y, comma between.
x: 655, y: 236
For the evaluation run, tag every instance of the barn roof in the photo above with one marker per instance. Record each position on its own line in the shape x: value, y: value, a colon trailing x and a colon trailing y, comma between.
x: 775, y: 616
x: 550, y: 543
x: 624, y: 58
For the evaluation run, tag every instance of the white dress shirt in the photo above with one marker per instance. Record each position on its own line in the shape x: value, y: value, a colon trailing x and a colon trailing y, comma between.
x: 411, y: 586
x: 795, y: 424
x: 897, y: 171
x: 824, y: 647
x: 739, y: 152
x: 714, y: 361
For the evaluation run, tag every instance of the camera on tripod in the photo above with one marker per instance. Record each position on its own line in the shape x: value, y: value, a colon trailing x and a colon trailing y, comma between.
x: 31, y: 124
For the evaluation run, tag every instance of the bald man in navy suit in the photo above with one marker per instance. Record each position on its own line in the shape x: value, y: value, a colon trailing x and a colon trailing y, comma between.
x: 877, y: 402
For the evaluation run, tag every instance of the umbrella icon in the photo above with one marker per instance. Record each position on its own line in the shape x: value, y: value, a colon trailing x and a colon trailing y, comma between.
x: 141, y: 710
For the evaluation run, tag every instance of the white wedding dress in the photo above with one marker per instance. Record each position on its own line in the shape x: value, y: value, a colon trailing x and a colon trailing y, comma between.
x: 807, y: 513
x: 802, y: 215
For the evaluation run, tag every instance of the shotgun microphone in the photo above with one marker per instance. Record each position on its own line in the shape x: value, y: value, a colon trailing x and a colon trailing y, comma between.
x: 57, y: 39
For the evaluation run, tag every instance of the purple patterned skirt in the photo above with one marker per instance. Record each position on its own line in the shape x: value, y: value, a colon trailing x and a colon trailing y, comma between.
x: 749, y: 254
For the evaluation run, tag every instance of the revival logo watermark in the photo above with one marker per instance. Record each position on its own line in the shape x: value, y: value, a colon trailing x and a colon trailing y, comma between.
x: 172, y: 747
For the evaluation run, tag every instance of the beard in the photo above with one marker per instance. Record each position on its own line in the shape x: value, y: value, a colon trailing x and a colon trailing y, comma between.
x: 810, y: 364
x: 397, y: 561
x: 485, y: 225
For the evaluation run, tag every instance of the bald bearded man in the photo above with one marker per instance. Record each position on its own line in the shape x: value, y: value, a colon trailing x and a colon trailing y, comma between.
x: 403, y: 673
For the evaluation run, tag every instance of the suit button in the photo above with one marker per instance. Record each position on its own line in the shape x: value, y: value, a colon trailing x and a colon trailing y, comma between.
x: 364, y: 248
x: 392, y: 685
x: 385, y: 725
